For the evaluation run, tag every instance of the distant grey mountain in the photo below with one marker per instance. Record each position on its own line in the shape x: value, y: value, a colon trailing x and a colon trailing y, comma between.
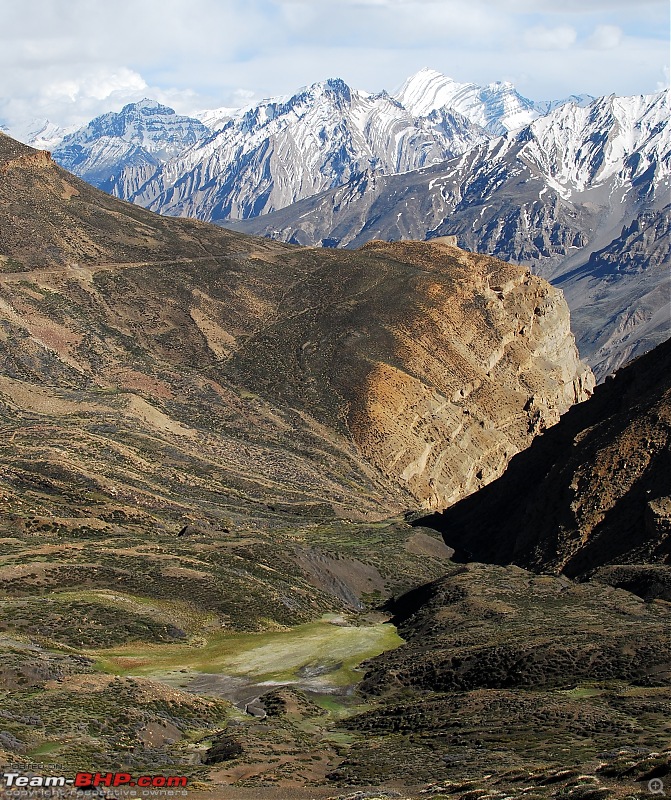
x: 282, y: 150
x: 568, y: 195
x: 142, y: 135
x: 627, y: 285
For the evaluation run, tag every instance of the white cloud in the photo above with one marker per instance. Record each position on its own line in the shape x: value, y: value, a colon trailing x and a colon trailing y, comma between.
x: 97, y: 85
x: 242, y: 97
x: 605, y: 37
x: 69, y: 61
x: 541, y: 38
x: 394, y: 23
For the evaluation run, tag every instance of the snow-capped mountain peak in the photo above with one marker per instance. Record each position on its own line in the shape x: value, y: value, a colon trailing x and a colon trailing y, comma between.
x: 497, y: 107
x: 147, y: 123
x: 429, y: 90
x: 579, y: 147
x: 142, y: 134
x: 147, y: 105
x: 41, y: 134
x: 286, y: 148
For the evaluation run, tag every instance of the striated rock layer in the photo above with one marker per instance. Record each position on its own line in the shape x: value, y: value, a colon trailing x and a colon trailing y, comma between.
x: 439, y: 363
x: 592, y: 492
x: 488, y: 362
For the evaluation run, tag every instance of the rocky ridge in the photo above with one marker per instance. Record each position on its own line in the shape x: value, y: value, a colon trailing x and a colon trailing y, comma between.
x: 549, y: 196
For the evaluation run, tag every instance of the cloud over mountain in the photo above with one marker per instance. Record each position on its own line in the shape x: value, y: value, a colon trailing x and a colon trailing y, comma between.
x: 81, y: 59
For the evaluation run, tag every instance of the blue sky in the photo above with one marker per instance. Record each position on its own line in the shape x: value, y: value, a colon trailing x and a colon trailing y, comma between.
x: 69, y: 60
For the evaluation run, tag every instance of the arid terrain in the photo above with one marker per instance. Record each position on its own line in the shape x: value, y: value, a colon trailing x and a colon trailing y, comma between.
x: 213, y: 447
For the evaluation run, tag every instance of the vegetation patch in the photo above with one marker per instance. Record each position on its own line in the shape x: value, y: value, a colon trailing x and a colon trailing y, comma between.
x: 81, y: 624
x: 321, y: 653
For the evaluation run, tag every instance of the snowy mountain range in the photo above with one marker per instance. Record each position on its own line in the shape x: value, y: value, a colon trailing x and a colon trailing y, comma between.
x: 613, y: 156
x: 235, y: 164
x: 550, y: 184
x: 564, y: 195
x: 267, y: 156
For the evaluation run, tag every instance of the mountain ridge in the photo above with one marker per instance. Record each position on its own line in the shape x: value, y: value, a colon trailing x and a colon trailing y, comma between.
x: 467, y: 110
x: 292, y: 148
x: 547, y: 196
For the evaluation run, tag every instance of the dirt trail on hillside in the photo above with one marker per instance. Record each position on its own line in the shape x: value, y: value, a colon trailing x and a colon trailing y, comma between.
x: 12, y: 277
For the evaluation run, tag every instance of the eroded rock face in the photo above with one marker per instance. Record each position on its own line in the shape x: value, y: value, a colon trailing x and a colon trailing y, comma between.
x: 593, y: 491
x: 488, y: 362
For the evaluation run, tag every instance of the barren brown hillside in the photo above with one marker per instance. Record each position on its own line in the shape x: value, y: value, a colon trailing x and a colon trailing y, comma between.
x: 395, y: 377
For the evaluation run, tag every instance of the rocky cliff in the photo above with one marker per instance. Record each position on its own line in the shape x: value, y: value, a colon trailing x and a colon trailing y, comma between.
x: 447, y: 414
x: 593, y: 491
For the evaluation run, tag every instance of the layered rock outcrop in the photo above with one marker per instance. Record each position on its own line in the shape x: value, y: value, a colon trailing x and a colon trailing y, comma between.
x: 593, y: 491
x: 485, y: 363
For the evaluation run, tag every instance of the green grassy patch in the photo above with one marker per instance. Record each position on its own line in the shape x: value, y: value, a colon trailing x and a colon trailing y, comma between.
x: 45, y: 749
x: 320, y: 650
